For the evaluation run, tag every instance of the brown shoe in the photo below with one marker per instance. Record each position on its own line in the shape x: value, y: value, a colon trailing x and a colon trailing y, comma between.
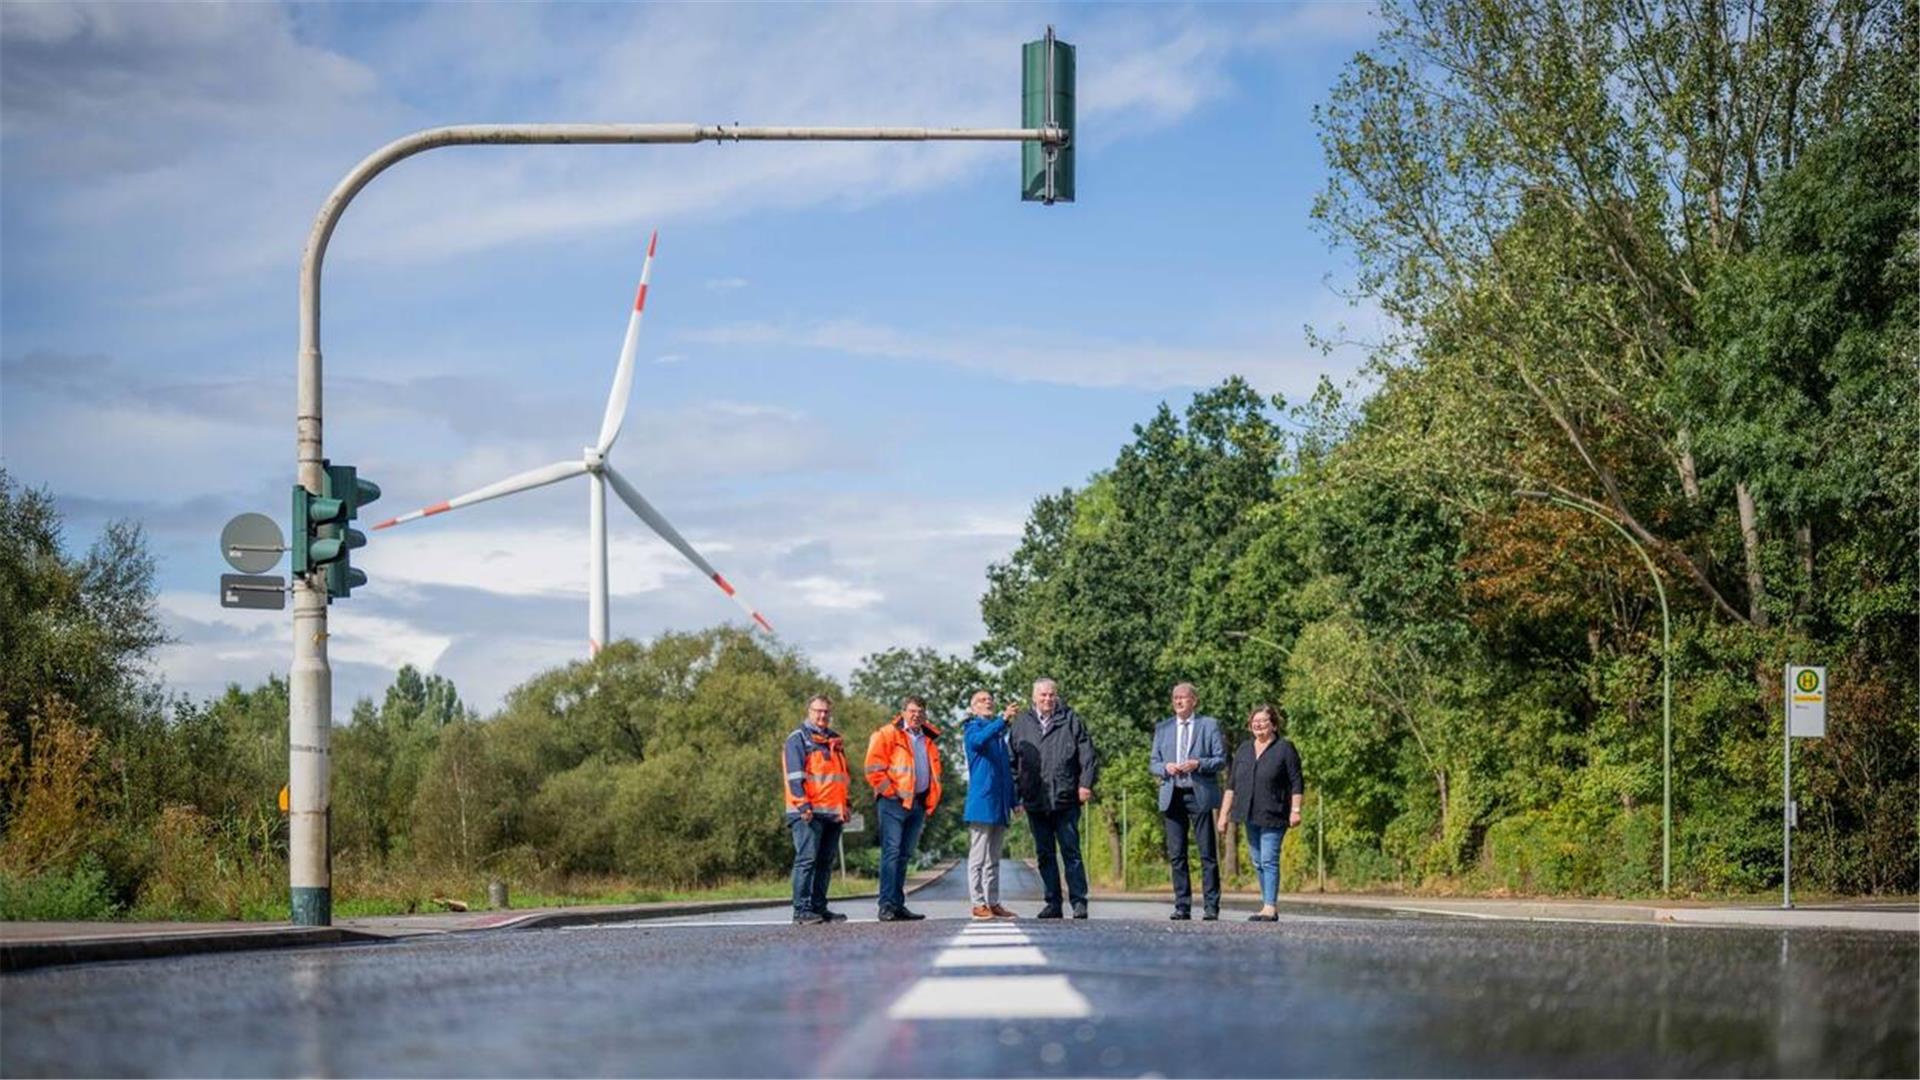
x: 999, y: 912
x: 982, y: 912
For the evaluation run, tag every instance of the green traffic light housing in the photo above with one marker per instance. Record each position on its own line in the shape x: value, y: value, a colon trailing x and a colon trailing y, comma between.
x: 344, y: 484
x: 322, y: 539
x: 1046, y: 101
x: 315, y: 517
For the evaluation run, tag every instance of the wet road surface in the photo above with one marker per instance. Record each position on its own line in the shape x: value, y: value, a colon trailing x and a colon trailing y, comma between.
x: 1127, y: 993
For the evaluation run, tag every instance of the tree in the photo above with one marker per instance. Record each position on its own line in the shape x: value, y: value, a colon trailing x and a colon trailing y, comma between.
x: 79, y: 630
x: 1542, y: 191
x: 947, y: 682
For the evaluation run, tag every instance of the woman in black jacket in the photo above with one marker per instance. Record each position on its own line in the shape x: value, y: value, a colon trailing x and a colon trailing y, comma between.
x: 1263, y: 793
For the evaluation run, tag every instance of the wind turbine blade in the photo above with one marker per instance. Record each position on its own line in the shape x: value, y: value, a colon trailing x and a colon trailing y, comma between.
x: 532, y: 478
x: 672, y: 536
x: 623, y: 375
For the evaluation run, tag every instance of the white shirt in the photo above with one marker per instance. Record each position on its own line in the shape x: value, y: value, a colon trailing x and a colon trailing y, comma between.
x: 1183, y: 744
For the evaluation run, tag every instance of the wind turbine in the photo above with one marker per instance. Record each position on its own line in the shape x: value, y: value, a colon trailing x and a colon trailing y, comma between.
x: 593, y: 464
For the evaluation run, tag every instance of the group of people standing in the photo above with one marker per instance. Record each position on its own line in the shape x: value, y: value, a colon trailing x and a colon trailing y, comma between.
x: 1037, y: 760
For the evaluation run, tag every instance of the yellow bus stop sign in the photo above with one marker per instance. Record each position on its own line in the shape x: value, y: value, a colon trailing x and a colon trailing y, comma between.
x: 1807, y: 702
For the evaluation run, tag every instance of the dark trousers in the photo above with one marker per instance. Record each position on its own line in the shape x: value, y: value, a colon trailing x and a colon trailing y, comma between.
x: 1060, y: 827
x: 1182, y: 815
x: 899, y: 834
x: 813, y: 847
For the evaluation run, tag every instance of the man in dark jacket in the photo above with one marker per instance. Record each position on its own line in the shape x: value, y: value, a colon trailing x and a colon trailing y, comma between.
x: 1053, y: 772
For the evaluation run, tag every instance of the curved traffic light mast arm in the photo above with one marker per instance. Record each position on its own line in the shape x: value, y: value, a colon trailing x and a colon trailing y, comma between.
x: 310, y: 680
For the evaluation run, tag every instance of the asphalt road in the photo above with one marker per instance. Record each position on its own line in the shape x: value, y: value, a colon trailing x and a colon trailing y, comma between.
x: 1126, y: 993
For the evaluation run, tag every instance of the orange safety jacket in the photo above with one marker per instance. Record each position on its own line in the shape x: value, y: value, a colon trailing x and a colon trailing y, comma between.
x: 815, y: 764
x: 890, y: 763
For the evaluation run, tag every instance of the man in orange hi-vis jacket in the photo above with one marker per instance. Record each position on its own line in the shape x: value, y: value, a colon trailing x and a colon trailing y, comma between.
x: 815, y: 786
x: 903, y: 767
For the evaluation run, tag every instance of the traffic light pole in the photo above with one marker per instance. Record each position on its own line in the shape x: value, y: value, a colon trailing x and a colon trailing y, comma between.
x: 311, y: 679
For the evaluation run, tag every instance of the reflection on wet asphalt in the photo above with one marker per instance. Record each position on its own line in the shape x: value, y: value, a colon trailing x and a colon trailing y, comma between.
x: 1126, y: 993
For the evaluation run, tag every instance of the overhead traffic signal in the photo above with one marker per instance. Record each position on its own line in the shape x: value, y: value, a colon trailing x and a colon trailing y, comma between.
x: 322, y: 539
x: 344, y: 484
x: 1046, y: 101
x: 315, y: 542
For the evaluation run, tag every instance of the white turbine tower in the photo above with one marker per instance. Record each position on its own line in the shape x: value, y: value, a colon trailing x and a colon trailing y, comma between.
x: 594, y: 465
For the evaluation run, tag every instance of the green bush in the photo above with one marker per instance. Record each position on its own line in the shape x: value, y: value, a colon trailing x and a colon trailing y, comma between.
x: 865, y: 861
x: 58, y: 895
x: 1544, y: 851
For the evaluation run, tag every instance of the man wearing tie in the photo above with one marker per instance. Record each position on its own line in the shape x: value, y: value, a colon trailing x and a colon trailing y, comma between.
x: 1188, y: 753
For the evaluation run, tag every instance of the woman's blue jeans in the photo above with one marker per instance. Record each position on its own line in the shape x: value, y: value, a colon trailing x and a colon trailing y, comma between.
x: 1264, y: 843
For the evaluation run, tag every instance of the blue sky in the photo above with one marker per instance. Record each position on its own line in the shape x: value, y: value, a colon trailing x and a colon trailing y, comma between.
x: 861, y: 363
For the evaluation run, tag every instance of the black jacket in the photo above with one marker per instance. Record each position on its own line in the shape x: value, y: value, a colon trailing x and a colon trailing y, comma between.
x: 1049, y: 770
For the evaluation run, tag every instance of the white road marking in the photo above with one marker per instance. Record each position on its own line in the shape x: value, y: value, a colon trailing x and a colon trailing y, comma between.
x: 979, y: 942
x: 994, y: 956
x: 991, y: 997
x: 653, y: 924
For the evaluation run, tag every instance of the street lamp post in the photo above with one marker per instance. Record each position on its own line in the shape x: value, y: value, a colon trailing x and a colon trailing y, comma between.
x: 1666, y: 681
x: 310, y: 689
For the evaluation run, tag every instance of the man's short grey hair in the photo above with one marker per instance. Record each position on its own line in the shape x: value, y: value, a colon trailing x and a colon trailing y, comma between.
x: 1048, y: 683
x: 1187, y: 686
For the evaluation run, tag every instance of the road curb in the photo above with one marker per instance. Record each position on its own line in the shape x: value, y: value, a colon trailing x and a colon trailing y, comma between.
x: 27, y: 955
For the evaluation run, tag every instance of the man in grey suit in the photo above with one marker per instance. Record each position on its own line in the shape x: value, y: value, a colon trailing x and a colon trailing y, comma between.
x: 1188, y: 753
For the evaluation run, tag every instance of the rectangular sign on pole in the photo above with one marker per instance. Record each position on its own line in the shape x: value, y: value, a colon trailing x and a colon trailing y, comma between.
x: 264, y: 592
x: 1806, y: 702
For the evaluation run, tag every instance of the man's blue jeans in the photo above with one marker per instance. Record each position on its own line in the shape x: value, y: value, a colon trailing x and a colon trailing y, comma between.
x: 899, y: 834
x: 1264, y: 842
x: 813, y: 848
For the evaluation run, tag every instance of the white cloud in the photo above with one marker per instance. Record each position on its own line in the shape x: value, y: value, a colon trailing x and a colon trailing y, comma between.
x: 529, y: 559
x: 220, y: 645
x: 353, y: 636
x: 835, y: 595
x: 1285, y: 364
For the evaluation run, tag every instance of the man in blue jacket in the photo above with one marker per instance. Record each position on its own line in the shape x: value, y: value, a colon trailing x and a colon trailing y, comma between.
x: 1188, y: 753
x: 989, y: 803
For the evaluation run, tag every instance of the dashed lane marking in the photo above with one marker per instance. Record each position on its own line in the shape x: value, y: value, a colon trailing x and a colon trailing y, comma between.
x: 989, y: 942
x: 991, y: 997
x: 993, y: 956
x: 653, y: 924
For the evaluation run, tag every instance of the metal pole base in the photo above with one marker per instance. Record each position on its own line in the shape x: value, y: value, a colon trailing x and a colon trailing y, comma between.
x: 312, y: 906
